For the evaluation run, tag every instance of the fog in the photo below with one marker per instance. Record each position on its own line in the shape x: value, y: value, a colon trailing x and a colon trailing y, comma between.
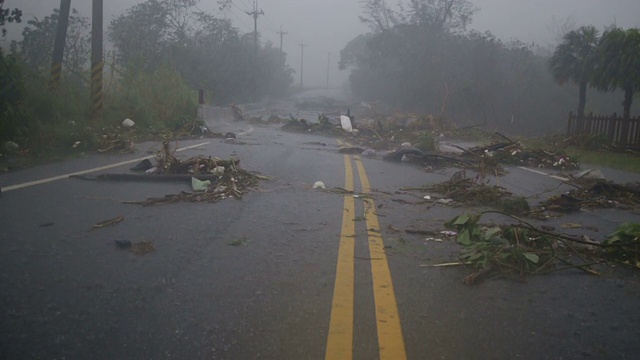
x: 326, y: 26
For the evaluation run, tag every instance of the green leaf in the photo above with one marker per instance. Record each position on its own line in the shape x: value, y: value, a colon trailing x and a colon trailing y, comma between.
x: 492, y: 232
x: 464, y: 238
x: 532, y: 257
x: 461, y: 220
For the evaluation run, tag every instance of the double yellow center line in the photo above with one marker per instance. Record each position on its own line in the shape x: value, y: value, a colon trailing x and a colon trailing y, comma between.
x: 340, y: 339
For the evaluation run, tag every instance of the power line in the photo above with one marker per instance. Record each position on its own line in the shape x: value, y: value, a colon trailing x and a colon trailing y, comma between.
x: 269, y: 21
x: 237, y: 18
x: 266, y: 24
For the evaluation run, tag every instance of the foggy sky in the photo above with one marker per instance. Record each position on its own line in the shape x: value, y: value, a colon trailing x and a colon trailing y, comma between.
x: 327, y: 25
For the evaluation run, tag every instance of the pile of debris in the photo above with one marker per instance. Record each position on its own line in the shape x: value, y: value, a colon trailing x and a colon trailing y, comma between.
x: 324, y: 126
x: 212, y: 179
x: 595, y: 194
x: 522, y: 249
x: 116, y: 140
x: 194, y: 129
x: 460, y: 189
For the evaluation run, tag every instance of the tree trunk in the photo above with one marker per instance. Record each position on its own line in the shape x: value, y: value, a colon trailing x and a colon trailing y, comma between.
x: 626, y: 117
x: 582, y: 103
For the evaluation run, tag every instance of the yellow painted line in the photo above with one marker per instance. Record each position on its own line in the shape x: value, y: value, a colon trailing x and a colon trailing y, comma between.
x: 83, y: 172
x: 340, y: 338
x: 390, y: 340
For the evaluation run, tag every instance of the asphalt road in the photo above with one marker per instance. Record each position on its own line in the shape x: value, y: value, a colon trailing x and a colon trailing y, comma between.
x: 69, y: 293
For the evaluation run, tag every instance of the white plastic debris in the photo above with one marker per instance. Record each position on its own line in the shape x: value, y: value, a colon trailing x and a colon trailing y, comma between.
x: 319, y: 185
x: 151, y: 171
x: 218, y: 170
x: 427, y: 197
x: 128, y: 122
x: 369, y: 153
x: 448, y: 233
x: 346, y: 123
x: 75, y: 144
x: 445, y: 201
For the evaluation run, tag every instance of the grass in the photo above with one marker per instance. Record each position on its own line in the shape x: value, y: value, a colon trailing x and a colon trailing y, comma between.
x: 613, y: 160
x: 592, y: 153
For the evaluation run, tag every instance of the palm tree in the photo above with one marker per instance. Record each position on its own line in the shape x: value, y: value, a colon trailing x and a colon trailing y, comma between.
x: 574, y: 60
x: 619, y: 64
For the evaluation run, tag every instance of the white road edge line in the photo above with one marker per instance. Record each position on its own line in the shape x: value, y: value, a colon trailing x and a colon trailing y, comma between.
x: 241, y: 133
x: 545, y: 174
x: 533, y: 171
x: 83, y: 172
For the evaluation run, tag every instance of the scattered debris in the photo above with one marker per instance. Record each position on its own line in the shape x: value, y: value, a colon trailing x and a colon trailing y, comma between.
x: 143, y: 247
x: 241, y: 241
x: 399, y: 154
x: 319, y: 185
x: 624, y: 244
x: 345, y: 122
x: 106, y: 223
x: 369, y: 152
x: 143, y: 165
x: 200, y: 185
x: 463, y: 190
x: 116, y: 139
x: 123, y: 244
x: 128, y: 123
x: 194, y: 129
x: 594, y: 194
x: 212, y: 179
x: 351, y: 150
x: 521, y: 249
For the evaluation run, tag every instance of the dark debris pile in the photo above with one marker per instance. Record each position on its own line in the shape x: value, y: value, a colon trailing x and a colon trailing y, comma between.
x: 595, y: 194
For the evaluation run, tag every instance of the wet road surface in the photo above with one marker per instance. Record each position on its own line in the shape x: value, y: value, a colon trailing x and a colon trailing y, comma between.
x: 316, y: 274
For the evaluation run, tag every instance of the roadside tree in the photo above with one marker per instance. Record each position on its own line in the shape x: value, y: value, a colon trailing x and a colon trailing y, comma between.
x: 574, y: 59
x: 619, y: 64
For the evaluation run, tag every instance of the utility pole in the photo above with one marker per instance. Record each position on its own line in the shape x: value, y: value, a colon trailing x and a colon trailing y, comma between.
x: 255, y: 13
x: 96, y: 59
x: 282, y: 33
x: 58, y: 45
x: 328, y: 67
x: 302, y: 45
